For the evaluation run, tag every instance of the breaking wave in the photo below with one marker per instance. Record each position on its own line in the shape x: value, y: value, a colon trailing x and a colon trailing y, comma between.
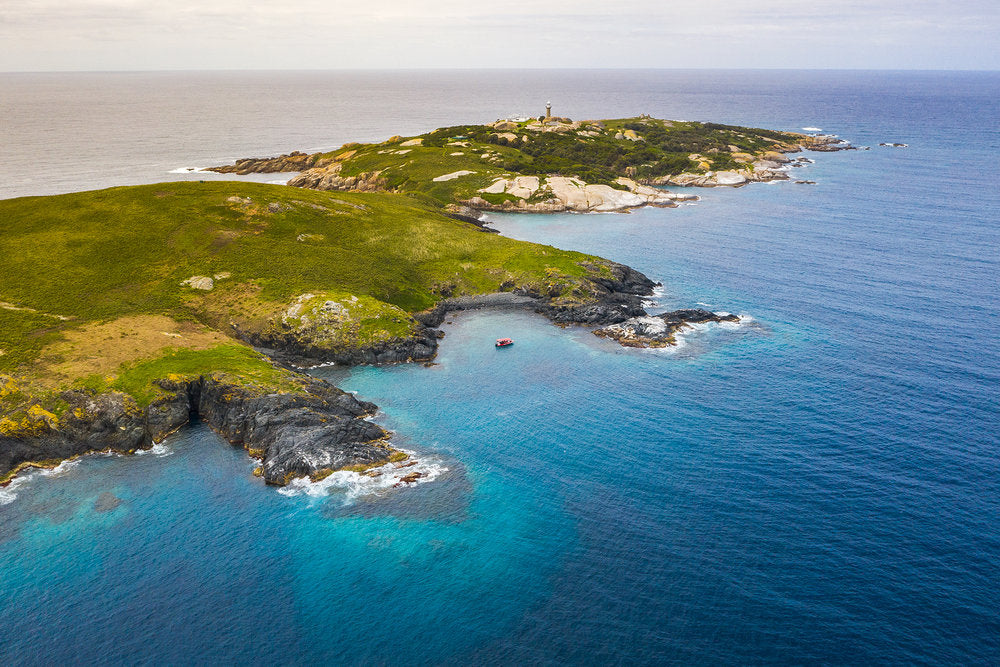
x: 8, y: 494
x: 355, y: 485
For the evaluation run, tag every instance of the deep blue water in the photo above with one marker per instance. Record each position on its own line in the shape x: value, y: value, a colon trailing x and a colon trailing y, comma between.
x: 818, y: 485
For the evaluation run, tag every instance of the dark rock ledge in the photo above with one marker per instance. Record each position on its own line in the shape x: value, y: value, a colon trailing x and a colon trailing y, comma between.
x: 311, y: 433
x: 660, y: 330
x: 616, y: 297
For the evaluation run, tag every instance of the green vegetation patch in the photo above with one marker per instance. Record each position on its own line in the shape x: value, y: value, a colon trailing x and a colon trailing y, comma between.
x: 596, y: 151
x: 23, y: 334
x: 236, y: 362
x: 348, y: 320
x: 196, y: 251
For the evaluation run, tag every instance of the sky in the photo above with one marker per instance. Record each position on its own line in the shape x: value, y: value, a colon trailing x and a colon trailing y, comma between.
x: 54, y: 35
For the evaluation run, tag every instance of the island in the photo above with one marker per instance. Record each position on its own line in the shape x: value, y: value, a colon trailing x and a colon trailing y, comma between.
x: 551, y: 164
x: 129, y: 311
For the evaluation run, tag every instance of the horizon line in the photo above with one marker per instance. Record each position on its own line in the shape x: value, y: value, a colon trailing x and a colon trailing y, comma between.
x: 497, y: 69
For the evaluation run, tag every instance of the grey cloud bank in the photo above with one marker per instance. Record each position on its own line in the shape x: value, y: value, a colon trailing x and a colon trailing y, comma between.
x: 225, y: 34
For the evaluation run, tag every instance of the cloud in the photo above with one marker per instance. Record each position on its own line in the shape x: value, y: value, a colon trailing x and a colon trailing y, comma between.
x: 95, y: 34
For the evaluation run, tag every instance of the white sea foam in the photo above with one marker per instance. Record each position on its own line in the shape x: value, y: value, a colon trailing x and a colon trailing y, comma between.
x: 60, y: 469
x: 653, y: 300
x: 282, y: 182
x: 186, y: 170
x: 159, y: 450
x: 684, y: 336
x: 355, y: 485
x: 8, y: 494
x: 813, y: 129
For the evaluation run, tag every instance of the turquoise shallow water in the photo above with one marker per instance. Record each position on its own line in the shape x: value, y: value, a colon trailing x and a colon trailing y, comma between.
x: 819, y: 484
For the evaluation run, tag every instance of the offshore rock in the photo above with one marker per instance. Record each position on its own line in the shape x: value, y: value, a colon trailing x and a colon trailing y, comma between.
x: 659, y: 330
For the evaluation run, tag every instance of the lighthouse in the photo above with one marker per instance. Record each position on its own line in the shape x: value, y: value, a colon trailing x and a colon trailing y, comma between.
x: 548, y: 110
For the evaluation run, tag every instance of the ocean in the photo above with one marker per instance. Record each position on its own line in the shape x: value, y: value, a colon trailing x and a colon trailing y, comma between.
x: 819, y: 484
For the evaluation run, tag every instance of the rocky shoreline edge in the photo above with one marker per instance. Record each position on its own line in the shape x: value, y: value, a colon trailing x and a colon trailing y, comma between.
x: 553, y: 193
x: 317, y: 429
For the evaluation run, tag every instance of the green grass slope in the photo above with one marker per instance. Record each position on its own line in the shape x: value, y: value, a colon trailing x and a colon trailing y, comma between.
x: 93, y: 293
x: 598, y: 152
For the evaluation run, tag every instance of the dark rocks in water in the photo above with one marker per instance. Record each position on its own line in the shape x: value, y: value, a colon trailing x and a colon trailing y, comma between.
x: 618, y: 296
x: 296, y: 434
x: 626, y: 280
x: 294, y: 161
x: 805, y: 182
x: 470, y: 215
x: 107, y: 502
x: 659, y: 330
x: 827, y: 143
x: 894, y: 145
x: 409, y: 479
x: 614, y: 308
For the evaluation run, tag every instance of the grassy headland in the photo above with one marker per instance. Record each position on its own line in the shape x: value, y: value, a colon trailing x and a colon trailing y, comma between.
x: 114, y: 290
x: 464, y: 164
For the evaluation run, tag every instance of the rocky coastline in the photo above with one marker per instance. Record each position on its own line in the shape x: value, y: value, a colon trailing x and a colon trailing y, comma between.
x: 310, y: 432
x: 615, y: 297
x: 298, y: 426
x: 306, y: 433
x: 516, y: 179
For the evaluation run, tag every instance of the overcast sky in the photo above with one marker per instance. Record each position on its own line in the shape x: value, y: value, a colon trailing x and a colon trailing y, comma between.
x: 333, y: 34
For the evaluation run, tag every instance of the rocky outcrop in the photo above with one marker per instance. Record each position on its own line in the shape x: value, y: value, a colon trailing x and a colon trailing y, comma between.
x: 659, y: 330
x: 556, y: 194
x: 824, y: 143
x: 329, y: 178
x: 105, y: 422
x: 290, y: 347
x: 294, y: 161
x: 616, y: 295
x: 619, y: 297
x: 709, y: 179
x: 315, y: 429
x: 470, y: 215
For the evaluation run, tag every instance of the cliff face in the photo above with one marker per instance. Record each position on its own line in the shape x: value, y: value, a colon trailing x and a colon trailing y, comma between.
x: 295, y: 434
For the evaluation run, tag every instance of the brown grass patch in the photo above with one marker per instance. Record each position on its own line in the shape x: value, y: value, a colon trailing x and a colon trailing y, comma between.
x: 241, y: 303
x: 100, y: 348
